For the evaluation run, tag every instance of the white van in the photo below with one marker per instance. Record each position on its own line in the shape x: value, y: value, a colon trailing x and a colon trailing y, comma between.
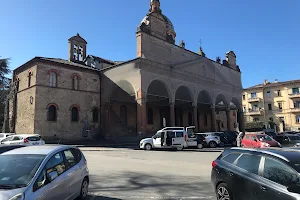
x: 165, y: 139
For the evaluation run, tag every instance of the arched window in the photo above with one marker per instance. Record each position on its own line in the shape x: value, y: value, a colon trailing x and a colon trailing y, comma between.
x: 75, y: 82
x: 95, y: 115
x: 74, y: 114
x: 53, y: 79
x: 123, y: 114
x: 190, y: 118
x: 29, y: 79
x: 150, y: 116
x: 52, y: 115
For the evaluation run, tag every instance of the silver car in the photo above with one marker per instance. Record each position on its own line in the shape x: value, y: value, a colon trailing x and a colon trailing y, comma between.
x: 48, y: 172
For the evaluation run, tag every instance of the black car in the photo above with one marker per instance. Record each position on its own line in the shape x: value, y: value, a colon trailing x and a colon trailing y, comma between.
x: 227, y: 137
x: 288, y: 140
x: 248, y: 174
x: 4, y: 148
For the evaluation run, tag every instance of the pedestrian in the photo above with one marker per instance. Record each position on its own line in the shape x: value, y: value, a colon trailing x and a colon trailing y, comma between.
x: 239, y: 139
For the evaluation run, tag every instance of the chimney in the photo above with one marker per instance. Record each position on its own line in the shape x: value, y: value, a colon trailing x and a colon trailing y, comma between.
x: 266, y: 82
x: 276, y: 81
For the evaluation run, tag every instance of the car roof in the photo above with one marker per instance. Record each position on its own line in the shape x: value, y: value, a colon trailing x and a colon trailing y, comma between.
x: 288, y: 154
x: 38, y: 149
x: 26, y: 135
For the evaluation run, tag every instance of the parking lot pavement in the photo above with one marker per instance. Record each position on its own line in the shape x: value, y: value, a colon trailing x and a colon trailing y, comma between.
x: 120, y: 173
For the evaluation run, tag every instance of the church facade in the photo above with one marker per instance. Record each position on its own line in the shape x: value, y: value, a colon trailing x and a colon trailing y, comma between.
x: 165, y: 85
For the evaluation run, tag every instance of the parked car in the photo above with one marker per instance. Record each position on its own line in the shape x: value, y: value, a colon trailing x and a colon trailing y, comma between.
x: 43, y: 172
x: 4, y: 135
x: 247, y: 174
x: 212, y: 139
x: 165, y: 139
x: 5, y: 148
x: 228, y: 137
x: 25, y: 139
x: 259, y: 141
x: 289, y: 140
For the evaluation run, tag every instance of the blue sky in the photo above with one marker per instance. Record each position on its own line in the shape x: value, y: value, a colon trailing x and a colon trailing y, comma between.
x: 265, y: 35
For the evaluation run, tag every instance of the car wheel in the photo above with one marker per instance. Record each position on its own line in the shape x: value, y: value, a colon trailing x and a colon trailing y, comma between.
x: 84, y: 189
x: 180, y: 148
x: 212, y: 144
x: 200, y: 146
x: 223, y: 192
x: 148, y: 147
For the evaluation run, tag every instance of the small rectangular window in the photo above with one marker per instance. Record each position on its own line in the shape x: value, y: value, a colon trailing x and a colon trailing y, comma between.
x: 270, y: 106
x: 268, y: 94
x: 253, y: 94
x: 278, y: 93
x: 295, y: 90
x: 244, y: 97
x: 279, y: 105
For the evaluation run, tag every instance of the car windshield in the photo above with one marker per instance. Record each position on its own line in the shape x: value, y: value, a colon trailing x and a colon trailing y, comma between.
x: 294, y: 137
x: 264, y: 138
x: 18, y: 170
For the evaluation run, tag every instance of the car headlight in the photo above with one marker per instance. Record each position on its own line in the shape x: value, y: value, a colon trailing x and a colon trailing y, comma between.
x: 18, y: 197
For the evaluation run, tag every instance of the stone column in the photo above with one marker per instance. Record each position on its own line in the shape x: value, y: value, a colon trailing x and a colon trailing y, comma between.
x: 228, y: 119
x: 241, y: 121
x: 213, y: 118
x: 141, y: 116
x: 195, y: 110
x: 172, y: 113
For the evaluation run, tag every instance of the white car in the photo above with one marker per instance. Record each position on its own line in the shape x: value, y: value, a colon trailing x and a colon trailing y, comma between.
x: 164, y: 139
x: 24, y: 139
x: 5, y: 135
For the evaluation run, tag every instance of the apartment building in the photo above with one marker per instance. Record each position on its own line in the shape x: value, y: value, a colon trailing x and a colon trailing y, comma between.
x: 274, y: 101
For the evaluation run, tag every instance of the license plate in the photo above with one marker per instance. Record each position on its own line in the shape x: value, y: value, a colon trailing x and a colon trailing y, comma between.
x: 35, y: 143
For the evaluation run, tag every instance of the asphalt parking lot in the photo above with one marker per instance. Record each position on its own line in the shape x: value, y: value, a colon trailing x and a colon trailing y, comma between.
x: 120, y: 173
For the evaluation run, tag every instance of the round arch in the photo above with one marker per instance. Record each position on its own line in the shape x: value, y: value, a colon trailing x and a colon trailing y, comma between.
x: 183, y: 94
x: 123, y: 91
x: 221, y: 101
x: 158, y: 87
x: 234, y: 103
x: 204, y: 98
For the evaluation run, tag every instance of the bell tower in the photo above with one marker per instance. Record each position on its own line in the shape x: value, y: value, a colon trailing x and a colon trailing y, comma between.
x: 77, y: 48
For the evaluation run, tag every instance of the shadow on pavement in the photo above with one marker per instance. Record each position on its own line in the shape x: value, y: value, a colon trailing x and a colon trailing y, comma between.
x: 135, y: 185
x: 94, y: 197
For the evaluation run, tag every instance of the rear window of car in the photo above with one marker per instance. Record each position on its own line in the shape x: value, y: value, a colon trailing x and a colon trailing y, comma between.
x: 230, y: 158
x: 34, y: 138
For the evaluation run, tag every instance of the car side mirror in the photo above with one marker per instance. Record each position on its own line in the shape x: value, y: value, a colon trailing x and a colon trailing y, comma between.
x: 294, y: 188
x: 52, y: 175
x: 255, y: 140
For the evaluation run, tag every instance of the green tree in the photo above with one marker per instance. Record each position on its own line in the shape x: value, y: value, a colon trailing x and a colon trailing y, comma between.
x: 4, y: 70
x: 4, y: 85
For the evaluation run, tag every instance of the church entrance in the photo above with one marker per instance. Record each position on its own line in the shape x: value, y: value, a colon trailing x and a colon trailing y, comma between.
x: 204, y: 111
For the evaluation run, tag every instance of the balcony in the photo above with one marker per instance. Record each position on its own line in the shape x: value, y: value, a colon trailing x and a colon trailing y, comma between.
x: 254, y: 99
x: 295, y: 110
x: 294, y: 95
x: 253, y: 112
